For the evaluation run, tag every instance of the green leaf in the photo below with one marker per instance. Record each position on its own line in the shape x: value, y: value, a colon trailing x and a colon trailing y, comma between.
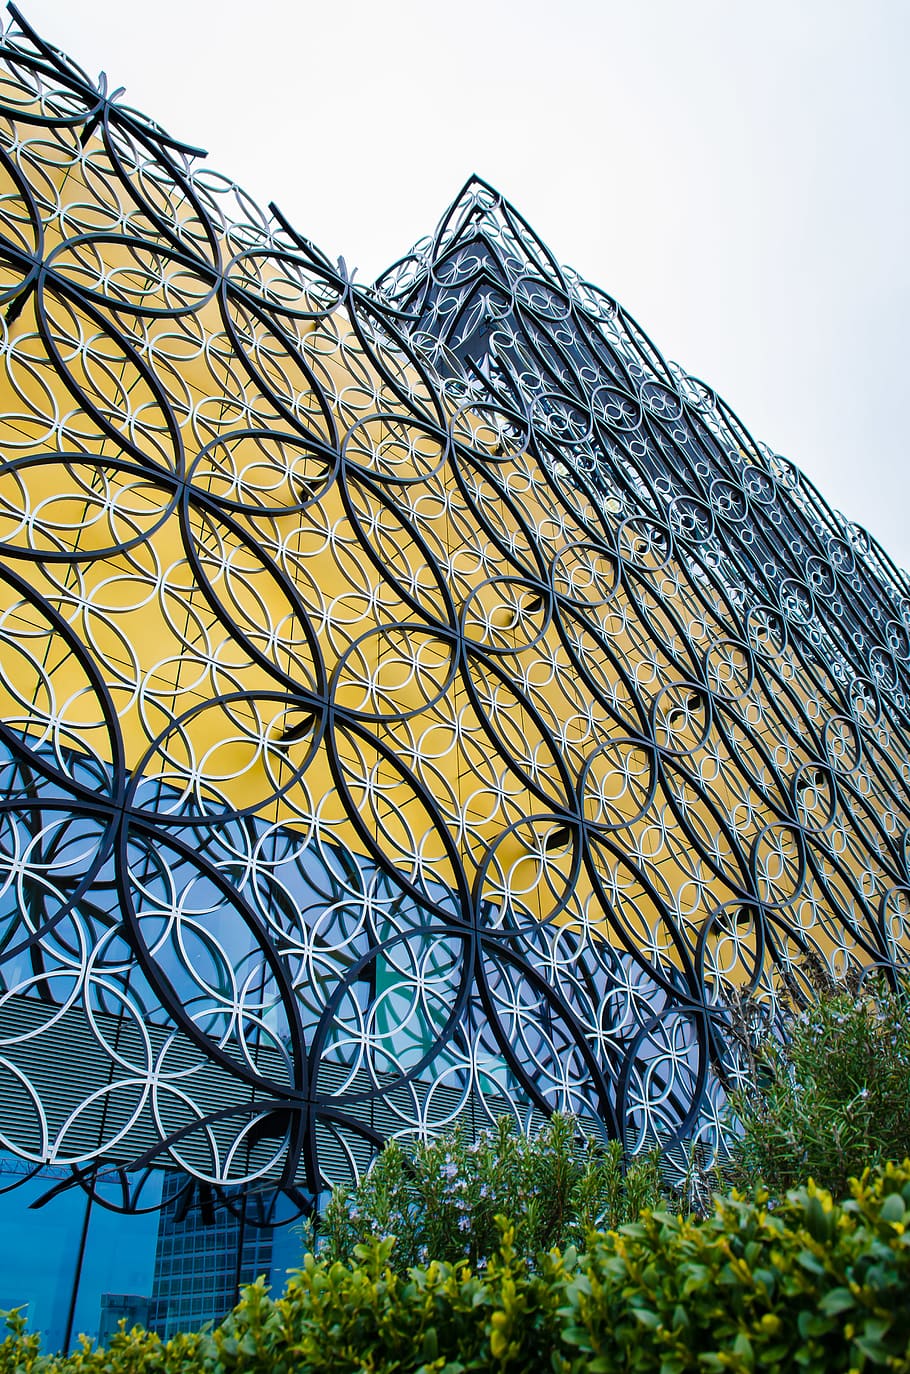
x: 742, y: 1349
x: 873, y: 1350
x: 577, y: 1335
x: 837, y: 1300
x: 893, y: 1209
x: 810, y: 1261
x: 809, y: 1324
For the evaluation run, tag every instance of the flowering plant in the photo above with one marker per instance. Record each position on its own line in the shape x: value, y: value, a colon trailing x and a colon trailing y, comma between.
x: 832, y: 1097
x: 440, y: 1199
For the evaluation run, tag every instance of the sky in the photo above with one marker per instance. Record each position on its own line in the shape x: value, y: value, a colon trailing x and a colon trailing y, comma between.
x: 736, y: 175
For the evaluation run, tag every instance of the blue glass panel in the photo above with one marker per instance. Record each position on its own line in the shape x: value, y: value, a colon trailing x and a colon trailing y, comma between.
x: 118, y: 1265
x: 40, y: 1249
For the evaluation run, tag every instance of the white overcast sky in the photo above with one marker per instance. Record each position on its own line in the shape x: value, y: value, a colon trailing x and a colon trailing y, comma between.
x: 736, y: 174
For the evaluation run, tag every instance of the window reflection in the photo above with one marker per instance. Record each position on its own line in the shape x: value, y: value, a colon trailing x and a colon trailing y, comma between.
x: 77, y: 1266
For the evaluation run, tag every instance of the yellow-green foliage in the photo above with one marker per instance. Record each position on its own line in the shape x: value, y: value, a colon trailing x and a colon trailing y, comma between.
x: 810, y: 1286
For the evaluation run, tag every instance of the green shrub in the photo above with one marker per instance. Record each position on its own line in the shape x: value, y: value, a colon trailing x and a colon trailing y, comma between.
x: 130, y: 1352
x: 440, y: 1201
x: 830, y: 1100
x: 807, y: 1286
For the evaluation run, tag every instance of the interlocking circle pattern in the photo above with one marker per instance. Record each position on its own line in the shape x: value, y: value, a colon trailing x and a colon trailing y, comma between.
x: 419, y: 702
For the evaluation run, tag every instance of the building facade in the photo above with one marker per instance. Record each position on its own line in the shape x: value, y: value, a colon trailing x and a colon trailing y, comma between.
x: 418, y: 703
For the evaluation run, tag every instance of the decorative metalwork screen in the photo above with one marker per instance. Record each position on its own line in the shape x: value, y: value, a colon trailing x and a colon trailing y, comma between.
x: 420, y: 702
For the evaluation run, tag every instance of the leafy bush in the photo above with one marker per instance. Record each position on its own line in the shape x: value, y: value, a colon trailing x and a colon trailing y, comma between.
x: 440, y: 1202
x: 809, y: 1286
x: 830, y: 1100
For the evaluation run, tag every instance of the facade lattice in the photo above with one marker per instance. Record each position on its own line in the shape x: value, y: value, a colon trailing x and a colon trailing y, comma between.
x: 420, y: 702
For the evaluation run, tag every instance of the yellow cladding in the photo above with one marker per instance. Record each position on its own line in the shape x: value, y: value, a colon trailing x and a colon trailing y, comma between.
x: 211, y: 715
